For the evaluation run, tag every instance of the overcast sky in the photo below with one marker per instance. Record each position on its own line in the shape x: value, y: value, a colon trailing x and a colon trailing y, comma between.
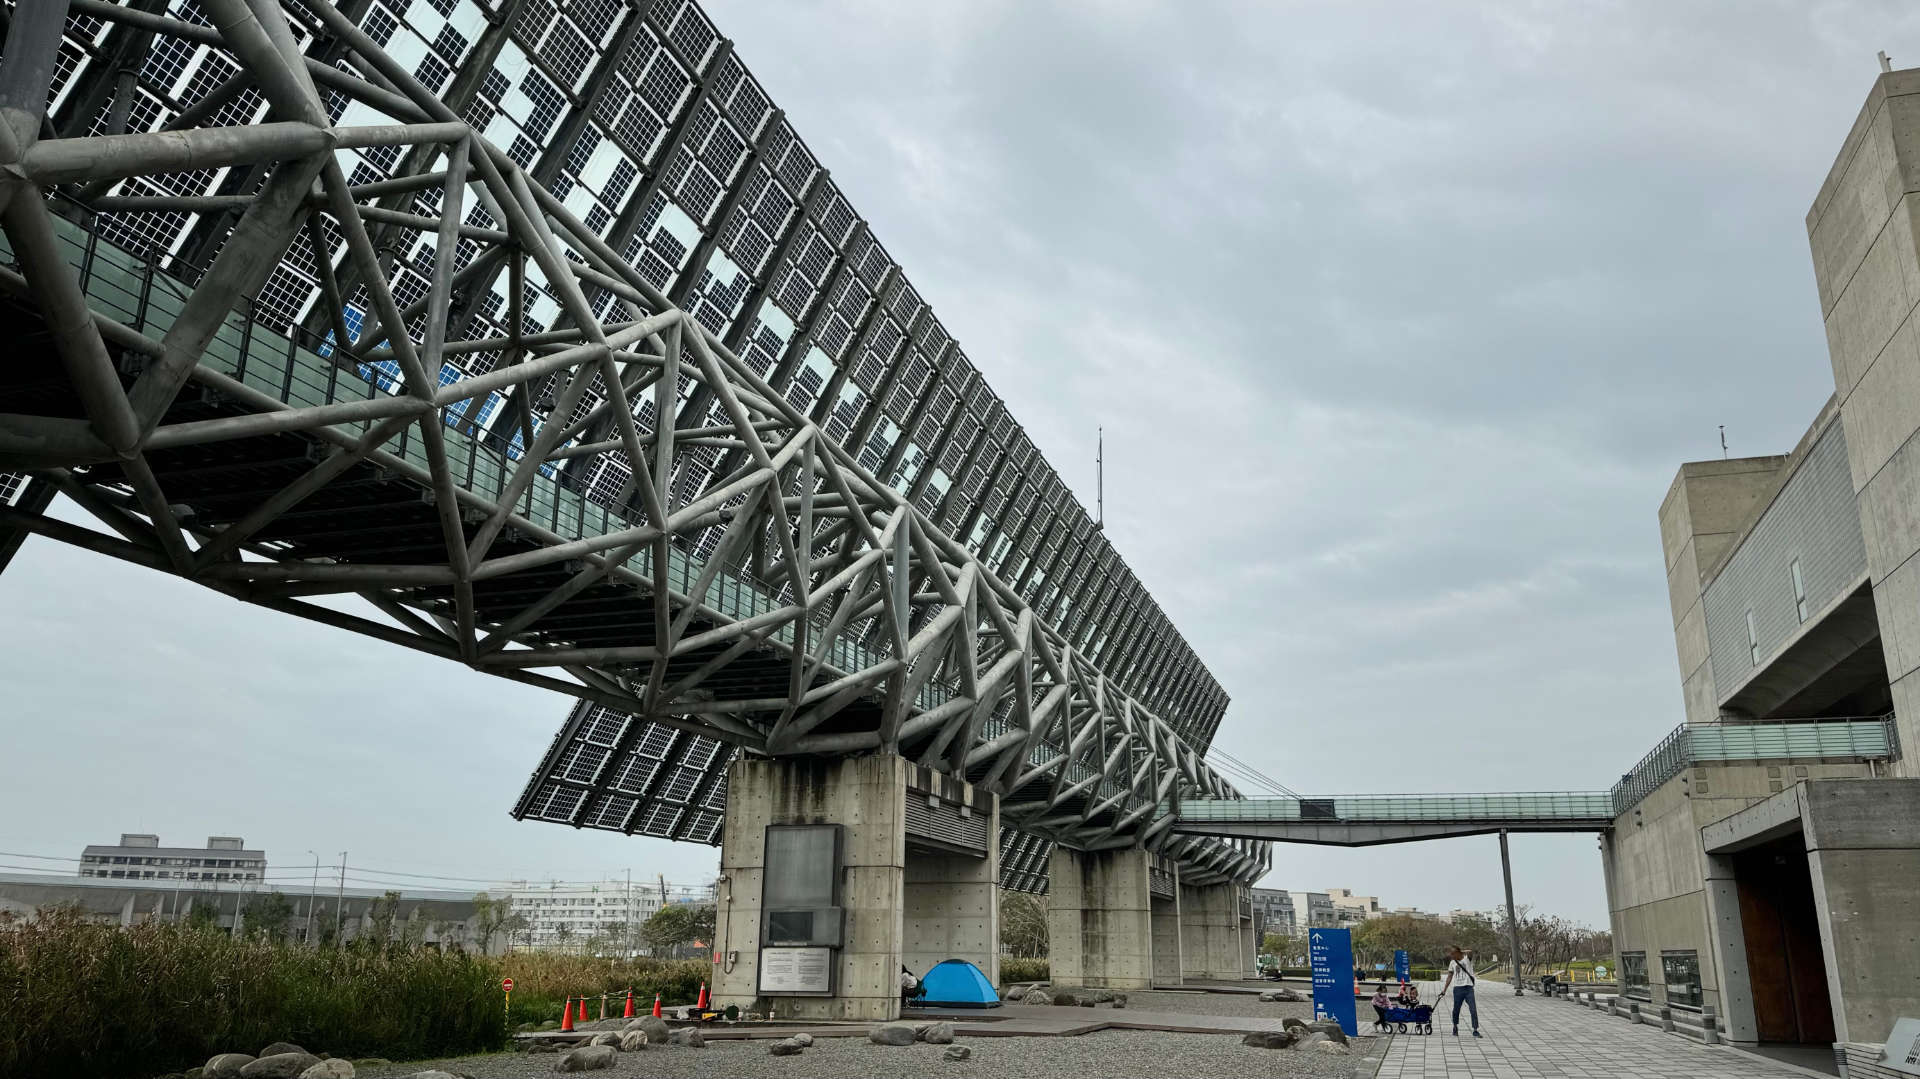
x: 1399, y: 318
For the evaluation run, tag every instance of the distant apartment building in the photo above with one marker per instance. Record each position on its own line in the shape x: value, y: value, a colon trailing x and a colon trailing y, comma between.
x: 564, y: 915
x: 1350, y: 909
x: 139, y: 856
x: 1272, y: 911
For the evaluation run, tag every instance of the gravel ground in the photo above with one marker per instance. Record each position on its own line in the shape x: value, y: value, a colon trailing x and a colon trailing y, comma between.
x: 1116, y: 1053
x: 1196, y: 1003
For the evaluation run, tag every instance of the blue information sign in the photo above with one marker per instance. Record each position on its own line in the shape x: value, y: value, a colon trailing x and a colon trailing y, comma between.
x: 1402, y: 966
x: 1331, y: 951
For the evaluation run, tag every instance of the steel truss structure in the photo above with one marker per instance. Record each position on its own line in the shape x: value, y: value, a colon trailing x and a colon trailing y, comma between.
x: 621, y: 503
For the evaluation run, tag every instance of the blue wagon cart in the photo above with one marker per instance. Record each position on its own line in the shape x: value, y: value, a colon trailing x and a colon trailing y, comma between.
x: 1420, y: 1017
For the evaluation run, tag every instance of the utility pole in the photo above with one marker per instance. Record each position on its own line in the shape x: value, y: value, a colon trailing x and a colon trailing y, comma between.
x: 626, y: 939
x: 312, y: 888
x: 1513, y: 919
x: 340, y: 903
x: 663, y: 893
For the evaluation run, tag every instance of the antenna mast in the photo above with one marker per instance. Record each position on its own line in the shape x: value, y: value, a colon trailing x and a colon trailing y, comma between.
x: 1723, y: 440
x: 1100, y: 477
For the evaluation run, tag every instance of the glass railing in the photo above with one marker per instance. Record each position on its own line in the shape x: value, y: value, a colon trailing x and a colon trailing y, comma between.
x: 1542, y: 806
x: 1849, y: 738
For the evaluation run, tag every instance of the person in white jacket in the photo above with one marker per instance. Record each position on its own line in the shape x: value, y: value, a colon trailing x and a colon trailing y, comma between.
x: 1460, y: 967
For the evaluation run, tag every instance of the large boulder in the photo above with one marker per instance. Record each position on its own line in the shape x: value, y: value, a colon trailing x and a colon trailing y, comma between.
x: 891, y: 1034
x: 587, y: 1058
x: 277, y: 1048
x: 633, y: 1041
x: 1015, y: 993
x: 1269, y: 1039
x: 687, y: 1037
x: 605, y: 1037
x: 279, y: 1066
x: 936, y: 1033
x: 1037, y: 996
x: 1330, y: 1028
x: 226, y: 1066
x: 329, y: 1069
x: 805, y: 1039
x: 1292, y: 1022
x: 957, y: 1052
x: 654, y: 1028
x: 785, y: 1047
x: 1332, y: 1048
x: 1066, y: 998
x: 1119, y: 1000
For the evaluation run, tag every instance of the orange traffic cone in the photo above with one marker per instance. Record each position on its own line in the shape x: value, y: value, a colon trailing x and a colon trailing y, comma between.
x: 629, y: 1014
x: 701, y: 1004
x: 583, y: 1009
x: 656, y: 1005
x: 566, y: 1016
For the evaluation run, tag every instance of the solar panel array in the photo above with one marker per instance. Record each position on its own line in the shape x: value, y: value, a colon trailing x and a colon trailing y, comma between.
x: 649, y: 127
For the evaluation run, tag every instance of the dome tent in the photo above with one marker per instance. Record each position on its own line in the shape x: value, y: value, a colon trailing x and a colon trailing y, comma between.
x: 956, y: 983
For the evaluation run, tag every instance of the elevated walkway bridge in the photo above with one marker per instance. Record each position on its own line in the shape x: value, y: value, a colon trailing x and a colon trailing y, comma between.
x: 1369, y: 820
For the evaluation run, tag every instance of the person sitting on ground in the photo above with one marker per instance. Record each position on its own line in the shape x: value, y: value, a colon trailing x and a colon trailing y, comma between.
x: 1460, y: 968
x: 1381, y: 1002
x: 909, y: 987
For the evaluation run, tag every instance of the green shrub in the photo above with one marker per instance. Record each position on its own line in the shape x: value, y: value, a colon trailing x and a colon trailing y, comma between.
x: 80, y: 999
x: 1016, y: 969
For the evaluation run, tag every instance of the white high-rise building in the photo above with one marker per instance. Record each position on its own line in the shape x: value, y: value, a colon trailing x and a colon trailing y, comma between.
x: 571, y: 915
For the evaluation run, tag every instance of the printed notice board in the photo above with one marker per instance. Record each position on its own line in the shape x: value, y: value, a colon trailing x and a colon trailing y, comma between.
x: 801, y: 971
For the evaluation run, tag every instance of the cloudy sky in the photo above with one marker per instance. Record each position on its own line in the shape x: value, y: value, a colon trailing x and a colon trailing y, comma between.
x: 1399, y: 319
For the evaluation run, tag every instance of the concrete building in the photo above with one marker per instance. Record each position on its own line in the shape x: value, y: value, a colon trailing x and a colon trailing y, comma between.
x: 565, y: 915
x: 1273, y: 911
x: 1781, y: 888
x: 1350, y: 909
x: 434, y: 918
x: 139, y: 856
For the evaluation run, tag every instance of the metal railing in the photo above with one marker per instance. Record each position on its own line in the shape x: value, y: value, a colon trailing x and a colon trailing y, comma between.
x: 1849, y: 738
x: 1533, y: 806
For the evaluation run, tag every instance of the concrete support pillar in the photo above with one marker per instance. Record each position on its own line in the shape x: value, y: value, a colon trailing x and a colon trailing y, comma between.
x: 912, y: 893
x: 1165, y: 918
x: 1729, y: 942
x: 1100, y: 918
x: 1213, y: 935
x: 953, y: 908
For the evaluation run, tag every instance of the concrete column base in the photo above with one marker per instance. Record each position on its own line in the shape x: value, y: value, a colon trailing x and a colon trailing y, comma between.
x: 1216, y: 944
x: 908, y: 901
x: 1100, y: 919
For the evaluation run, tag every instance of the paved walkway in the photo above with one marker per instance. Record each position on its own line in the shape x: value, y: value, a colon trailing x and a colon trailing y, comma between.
x: 1530, y: 1037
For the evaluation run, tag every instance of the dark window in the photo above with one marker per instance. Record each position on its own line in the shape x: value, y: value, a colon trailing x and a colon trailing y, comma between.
x: 1681, y: 971
x: 1633, y: 975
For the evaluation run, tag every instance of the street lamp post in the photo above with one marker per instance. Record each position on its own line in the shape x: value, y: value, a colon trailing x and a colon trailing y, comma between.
x: 311, y: 888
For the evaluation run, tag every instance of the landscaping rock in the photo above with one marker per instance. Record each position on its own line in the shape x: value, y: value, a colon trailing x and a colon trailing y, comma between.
x: 1037, y: 996
x: 785, y: 1047
x: 277, y: 1048
x: 1016, y: 993
x: 1066, y: 998
x: 545, y: 1046
x: 1293, y: 1021
x: 633, y: 1041
x: 691, y: 1039
x: 1309, y: 1039
x: 605, y: 1038
x: 226, y: 1066
x: 526, y: 1028
x: 1103, y: 996
x: 803, y: 1038
x: 329, y: 1069
x: 279, y: 1066
x: 1269, y: 1039
x: 655, y: 1029
x: 1330, y: 1028
x: 891, y: 1034
x: 957, y: 1052
x: 936, y: 1034
x: 1119, y: 1000
x: 587, y: 1058
x: 1332, y: 1048
x: 373, y: 1062
x: 551, y: 1024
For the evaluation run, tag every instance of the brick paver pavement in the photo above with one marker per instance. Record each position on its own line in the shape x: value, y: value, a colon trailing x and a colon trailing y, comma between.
x: 1530, y: 1037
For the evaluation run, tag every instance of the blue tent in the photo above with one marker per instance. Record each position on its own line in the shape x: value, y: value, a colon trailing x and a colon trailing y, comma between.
x: 956, y: 983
